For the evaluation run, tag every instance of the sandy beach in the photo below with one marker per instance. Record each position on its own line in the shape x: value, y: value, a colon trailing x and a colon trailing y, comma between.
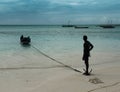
x: 43, y: 44
x: 25, y: 73
x: 41, y: 67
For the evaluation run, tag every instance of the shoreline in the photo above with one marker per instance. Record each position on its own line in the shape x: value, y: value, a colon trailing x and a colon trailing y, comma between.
x: 37, y: 73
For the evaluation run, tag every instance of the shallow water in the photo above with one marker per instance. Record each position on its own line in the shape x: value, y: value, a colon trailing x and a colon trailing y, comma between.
x: 59, y: 42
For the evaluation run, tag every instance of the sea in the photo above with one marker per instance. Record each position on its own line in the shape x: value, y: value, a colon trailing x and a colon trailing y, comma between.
x: 62, y: 43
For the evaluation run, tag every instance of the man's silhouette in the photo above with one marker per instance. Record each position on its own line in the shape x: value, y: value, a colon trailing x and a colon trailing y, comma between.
x: 86, y: 53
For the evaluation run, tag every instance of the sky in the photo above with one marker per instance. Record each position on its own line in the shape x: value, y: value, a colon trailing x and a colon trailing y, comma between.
x: 59, y: 11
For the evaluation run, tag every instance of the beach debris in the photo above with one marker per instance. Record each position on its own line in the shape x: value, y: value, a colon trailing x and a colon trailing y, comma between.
x: 95, y: 80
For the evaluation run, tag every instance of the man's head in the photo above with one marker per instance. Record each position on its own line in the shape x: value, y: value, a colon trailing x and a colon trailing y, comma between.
x: 85, y: 38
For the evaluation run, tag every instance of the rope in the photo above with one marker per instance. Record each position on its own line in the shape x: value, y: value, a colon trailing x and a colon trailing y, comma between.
x: 67, y: 66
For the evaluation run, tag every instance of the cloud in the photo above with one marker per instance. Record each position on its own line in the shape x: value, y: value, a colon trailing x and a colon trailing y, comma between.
x: 61, y: 6
x: 6, y: 1
x: 57, y: 11
x: 72, y: 2
x: 24, y: 6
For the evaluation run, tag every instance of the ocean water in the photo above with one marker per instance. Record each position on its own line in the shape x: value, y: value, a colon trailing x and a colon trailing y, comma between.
x: 58, y: 42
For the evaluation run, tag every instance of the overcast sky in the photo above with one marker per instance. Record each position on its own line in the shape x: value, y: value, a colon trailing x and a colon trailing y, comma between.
x: 59, y: 11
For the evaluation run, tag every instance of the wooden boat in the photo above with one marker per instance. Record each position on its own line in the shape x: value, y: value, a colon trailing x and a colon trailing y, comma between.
x: 81, y: 27
x: 25, y: 40
x: 107, y: 26
x: 67, y: 25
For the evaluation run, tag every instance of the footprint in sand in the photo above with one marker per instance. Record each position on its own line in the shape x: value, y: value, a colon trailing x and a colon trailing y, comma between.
x: 95, y: 80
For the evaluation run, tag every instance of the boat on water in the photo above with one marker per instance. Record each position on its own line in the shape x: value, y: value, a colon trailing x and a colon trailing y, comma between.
x: 67, y: 25
x: 81, y: 27
x: 107, y: 26
x: 25, y: 40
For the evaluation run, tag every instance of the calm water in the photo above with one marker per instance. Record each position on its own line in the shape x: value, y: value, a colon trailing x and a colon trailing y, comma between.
x: 58, y: 42
x: 59, y: 39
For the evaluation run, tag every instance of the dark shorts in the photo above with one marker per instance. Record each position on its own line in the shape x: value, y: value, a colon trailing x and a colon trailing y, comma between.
x: 85, y: 58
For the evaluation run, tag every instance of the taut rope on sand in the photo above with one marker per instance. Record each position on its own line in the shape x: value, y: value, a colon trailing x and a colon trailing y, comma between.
x: 55, y: 59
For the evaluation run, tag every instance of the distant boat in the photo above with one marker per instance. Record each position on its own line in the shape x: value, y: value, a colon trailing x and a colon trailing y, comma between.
x: 81, y: 27
x: 68, y: 25
x: 25, y: 40
x: 107, y: 26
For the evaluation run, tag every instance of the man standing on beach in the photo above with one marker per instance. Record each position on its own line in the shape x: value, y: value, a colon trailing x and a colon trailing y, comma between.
x: 86, y: 53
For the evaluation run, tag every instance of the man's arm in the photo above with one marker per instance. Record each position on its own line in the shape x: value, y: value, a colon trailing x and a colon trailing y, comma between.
x: 91, y: 47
